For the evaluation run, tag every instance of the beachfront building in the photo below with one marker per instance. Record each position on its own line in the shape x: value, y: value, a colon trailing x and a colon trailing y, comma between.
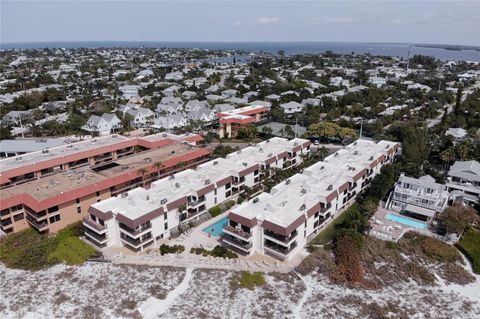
x: 140, y: 217
x: 231, y: 121
x: 464, y: 182
x: 52, y: 188
x: 420, y: 198
x: 280, y: 223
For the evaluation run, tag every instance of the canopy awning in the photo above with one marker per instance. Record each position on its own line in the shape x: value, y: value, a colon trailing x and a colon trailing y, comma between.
x: 420, y: 210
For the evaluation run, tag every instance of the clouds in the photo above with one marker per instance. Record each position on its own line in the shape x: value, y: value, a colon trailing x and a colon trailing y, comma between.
x: 268, y: 20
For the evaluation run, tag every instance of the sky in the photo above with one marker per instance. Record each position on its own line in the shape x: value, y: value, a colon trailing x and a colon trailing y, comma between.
x: 427, y: 21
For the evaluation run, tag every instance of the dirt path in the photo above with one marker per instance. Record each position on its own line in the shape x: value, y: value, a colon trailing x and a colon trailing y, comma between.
x: 154, y: 307
x: 308, y: 292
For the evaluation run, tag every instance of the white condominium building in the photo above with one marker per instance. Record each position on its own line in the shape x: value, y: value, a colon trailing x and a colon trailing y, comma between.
x: 281, y: 222
x: 141, y: 216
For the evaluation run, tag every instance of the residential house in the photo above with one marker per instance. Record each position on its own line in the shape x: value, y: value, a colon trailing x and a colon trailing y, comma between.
x: 464, y: 182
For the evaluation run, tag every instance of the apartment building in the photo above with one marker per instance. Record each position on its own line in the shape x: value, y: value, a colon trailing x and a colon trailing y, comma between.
x: 138, y: 218
x: 419, y: 198
x: 464, y: 182
x: 233, y: 120
x: 52, y: 188
x: 280, y: 223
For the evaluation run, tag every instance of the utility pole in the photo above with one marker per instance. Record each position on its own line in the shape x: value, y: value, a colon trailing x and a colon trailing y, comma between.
x: 296, y: 125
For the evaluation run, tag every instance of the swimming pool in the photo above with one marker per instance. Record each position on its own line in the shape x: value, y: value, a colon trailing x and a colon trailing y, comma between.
x: 217, y: 228
x: 406, y: 221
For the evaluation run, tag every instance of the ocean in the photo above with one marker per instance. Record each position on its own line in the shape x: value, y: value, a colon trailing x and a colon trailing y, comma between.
x: 385, y: 49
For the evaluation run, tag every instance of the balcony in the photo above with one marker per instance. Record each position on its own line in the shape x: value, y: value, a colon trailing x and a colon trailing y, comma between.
x: 282, y: 240
x: 40, y: 226
x: 237, y: 232
x: 237, y: 243
x: 137, y: 243
x: 135, y: 232
x: 279, y: 251
x: 98, y: 239
x: 87, y: 222
x: 35, y: 216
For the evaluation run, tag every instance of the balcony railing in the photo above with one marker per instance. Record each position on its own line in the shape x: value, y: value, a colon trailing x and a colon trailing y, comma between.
x: 40, y: 226
x: 280, y: 238
x: 98, y: 238
x: 137, y: 242
x: 229, y: 239
x: 280, y: 249
x: 137, y: 231
x: 238, y: 232
x: 94, y: 224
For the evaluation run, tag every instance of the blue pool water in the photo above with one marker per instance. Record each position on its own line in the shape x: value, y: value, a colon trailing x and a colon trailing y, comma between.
x: 217, y: 228
x: 406, y: 221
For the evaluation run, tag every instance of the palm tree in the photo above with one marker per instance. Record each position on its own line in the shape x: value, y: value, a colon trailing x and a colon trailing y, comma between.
x: 322, y: 152
x: 447, y: 156
x: 181, y: 165
x: 463, y: 150
x: 158, y: 166
x: 142, y: 171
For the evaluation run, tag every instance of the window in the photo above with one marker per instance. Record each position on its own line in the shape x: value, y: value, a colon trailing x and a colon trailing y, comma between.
x: 227, y: 194
x: 165, y: 216
x: 79, y: 210
x: 16, y: 207
x: 54, y: 219
x: 98, y: 194
x: 166, y: 226
x: 256, y: 172
x: 228, y: 185
x: 53, y: 209
x: 99, y: 200
x: 77, y: 201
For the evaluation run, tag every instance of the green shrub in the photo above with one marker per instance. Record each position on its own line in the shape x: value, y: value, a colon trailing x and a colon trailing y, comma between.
x: 31, y: 250
x: 215, y: 211
x: 251, y: 280
x: 72, y: 250
x: 229, y: 204
x: 175, y: 249
x: 470, y: 246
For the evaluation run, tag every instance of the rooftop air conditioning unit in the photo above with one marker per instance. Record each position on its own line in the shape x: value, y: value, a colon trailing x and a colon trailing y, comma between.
x: 270, y: 154
x: 287, y: 182
x: 215, y: 163
x: 70, y: 146
x: 124, y: 195
x: 330, y: 187
x: 256, y: 200
x: 19, y: 159
x: 303, y: 207
x: 244, y: 164
x: 207, y: 182
x: 163, y: 201
x: 45, y: 151
x: 171, y: 177
x: 295, y: 143
x: 177, y: 185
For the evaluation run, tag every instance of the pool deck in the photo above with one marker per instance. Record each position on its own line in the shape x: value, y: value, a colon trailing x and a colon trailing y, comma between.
x: 386, y: 229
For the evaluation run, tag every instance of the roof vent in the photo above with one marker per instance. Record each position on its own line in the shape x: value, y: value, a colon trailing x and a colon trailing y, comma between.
x: 322, y: 167
x: 355, y: 153
x: 163, y: 201
x: 268, y: 141
x: 256, y: 200
x: 336, y: 154
x: 207, y: 182
x: 270, y: 154
x: 387, y: 147
x: 19, y: 159
x: 148, y: 197
x: 261, y: 150
x: 330, y: 187
x: 171, y: 177
x: 303, y: 191
x: 148, y: 159
x: 371, y: 158
x: 295, y: 143
x: 355, y: 143
x: 244, y: 164
x: 70, y: 146
x: 287, y: 182
x: 239, y: 151
x: 45, y: 151
x: 172, y: 152
x: 124, y: 195
x: 215, y: 162
x: 177, y: 185
x: 303, y: 207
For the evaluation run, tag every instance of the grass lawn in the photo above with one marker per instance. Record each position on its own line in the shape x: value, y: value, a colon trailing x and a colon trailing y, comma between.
x: 326, y: 235
x: 252, y: 280
x: 470, y: 245
x: 31, y: 250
